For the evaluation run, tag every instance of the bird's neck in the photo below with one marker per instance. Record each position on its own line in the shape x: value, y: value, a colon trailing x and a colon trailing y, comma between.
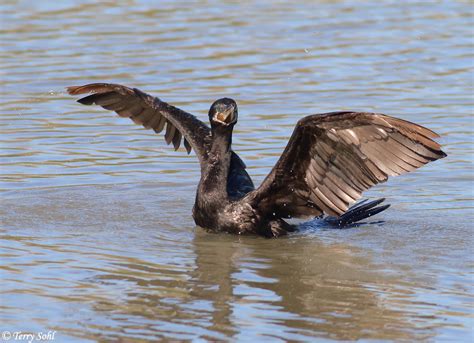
x: 215, y: 174
x: 221, y: 140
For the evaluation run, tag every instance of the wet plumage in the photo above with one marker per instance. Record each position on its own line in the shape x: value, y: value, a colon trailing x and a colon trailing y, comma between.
x: 328, y: 162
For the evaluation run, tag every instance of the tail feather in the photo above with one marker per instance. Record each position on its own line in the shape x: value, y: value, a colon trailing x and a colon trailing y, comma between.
x: 362, y: 207
x: 358, y: 212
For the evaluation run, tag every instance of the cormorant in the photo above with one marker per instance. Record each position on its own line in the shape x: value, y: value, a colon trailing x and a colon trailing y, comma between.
x: 329, y: 161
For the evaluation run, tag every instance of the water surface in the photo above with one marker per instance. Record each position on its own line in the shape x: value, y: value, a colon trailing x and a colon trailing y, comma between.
x: 97, y: 240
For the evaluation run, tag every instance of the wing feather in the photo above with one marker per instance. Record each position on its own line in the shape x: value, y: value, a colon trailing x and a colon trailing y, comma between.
x: 148, y: 118
x: 169, y: 134
x: 150, y: 112
x: 341, y: 190
x: 160, y: 125
x: 332, y: 158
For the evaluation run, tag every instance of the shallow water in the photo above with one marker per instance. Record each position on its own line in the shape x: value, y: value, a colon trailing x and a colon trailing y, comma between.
x: 97, y: 239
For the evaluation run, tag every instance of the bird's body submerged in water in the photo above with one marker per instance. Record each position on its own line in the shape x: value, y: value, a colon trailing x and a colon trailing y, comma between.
x: 329, y: 161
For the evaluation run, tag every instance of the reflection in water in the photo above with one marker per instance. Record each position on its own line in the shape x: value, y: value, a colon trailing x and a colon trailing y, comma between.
x: 310, y: 290
x: 239, y: 287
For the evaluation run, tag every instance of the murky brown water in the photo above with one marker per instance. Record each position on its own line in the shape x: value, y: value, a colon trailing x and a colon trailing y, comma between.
x: 98, y: 242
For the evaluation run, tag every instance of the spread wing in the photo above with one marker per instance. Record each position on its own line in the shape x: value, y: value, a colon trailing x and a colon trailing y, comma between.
x: 150, y: 112
x: 332, y: 158
x: 155, y: 114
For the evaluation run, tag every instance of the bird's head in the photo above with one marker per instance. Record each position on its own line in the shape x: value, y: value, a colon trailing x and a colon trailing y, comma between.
x: 223, y: 112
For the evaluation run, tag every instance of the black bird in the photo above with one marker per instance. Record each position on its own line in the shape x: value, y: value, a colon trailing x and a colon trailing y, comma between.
x: 329, y: 161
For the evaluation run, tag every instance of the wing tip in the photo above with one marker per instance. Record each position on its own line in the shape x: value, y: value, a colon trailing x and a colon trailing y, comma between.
x: 94, y: 88
x: 85, y: 101
x: 73, y: 90
x: 439, y: 154
x: 89, y: 88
